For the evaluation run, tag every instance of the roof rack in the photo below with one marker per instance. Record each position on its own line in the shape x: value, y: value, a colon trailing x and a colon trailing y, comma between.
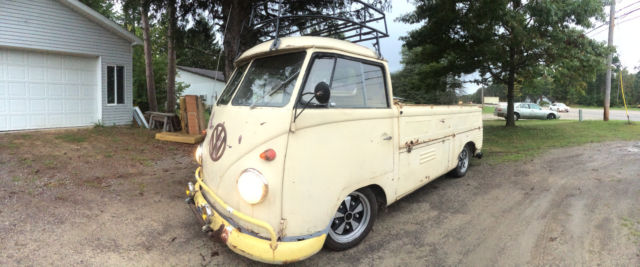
x: 352, y: 21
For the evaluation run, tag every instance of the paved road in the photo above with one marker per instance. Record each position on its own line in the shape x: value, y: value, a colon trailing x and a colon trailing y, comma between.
x: 596, y: 114
x: 587, y: 114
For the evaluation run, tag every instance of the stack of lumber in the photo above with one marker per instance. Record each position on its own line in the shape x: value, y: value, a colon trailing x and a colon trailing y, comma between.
x: 192, y: 120
x: 192, y: 114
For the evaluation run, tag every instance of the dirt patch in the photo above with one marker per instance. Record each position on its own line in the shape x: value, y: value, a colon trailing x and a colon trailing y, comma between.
x: 114, y: 196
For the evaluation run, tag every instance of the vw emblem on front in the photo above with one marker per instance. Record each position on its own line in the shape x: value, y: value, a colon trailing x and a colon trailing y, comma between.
x: 217, y: 142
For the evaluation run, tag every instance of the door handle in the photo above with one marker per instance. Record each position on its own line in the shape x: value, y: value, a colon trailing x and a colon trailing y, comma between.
x: 387, y: 138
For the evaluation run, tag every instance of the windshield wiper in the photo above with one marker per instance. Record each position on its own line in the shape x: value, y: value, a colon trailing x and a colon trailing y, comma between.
x: 275, y: 89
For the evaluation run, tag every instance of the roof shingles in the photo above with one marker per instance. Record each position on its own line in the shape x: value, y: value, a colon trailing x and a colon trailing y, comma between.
x: 216, y: 75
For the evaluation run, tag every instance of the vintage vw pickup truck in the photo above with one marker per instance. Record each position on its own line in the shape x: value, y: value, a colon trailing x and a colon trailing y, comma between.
x: 306, y: 144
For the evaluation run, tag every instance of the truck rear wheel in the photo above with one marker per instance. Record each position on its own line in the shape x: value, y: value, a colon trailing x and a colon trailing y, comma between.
x: 353, y: 220
x: 463, y: 163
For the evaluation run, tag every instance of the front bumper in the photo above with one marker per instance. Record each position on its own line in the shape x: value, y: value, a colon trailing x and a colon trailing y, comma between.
x: 256, y: 248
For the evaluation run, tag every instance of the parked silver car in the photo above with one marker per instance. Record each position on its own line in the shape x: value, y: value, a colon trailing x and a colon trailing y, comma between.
x: 526, y: 111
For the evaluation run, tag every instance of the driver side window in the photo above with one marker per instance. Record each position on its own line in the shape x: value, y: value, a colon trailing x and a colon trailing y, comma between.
x: 321, y: 71
x: 353, y: 84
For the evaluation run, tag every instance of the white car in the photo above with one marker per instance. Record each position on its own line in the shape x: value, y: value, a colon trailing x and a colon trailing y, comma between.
x: 559, y: 107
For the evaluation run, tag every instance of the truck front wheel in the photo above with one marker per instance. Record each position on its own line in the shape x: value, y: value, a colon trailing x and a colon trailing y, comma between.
x: 463, y: 163
x: 353, y: 220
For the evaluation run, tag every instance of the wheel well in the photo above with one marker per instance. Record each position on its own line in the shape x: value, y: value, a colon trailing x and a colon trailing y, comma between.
x: 381, y: 197
x: 471, y: 146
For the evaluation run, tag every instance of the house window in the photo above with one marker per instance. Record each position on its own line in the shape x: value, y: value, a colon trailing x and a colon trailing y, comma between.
x: 115, y: 85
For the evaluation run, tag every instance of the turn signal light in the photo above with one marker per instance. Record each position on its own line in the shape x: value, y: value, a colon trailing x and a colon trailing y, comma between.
x: 268, y: 154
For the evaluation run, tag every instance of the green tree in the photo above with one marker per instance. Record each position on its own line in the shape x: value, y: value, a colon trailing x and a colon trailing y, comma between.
x: 233, y: 16
x: 410, y: 84
x: 505, y: 40
x: 195, y: 42
x: 197, y: 46
x: 104, y: 7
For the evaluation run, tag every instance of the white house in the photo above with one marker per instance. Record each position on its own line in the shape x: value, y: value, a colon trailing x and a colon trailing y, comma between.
x: 206, y: 83
x: 62, y: 64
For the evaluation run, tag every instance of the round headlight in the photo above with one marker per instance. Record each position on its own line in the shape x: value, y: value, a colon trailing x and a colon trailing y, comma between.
x: 252, y: 186
x: 198, y: 154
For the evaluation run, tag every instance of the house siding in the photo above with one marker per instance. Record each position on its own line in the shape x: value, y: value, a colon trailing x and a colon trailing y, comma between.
x: 200, y: 85
x: 48, y: 25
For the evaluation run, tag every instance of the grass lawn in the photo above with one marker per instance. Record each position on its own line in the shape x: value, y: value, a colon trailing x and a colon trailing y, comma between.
x: 532, y: 137
x: 488, y: 109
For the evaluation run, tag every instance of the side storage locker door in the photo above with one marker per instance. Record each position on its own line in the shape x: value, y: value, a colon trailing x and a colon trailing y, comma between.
x: 425, y: 144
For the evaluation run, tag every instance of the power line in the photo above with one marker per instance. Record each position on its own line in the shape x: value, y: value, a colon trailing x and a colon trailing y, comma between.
x: 618, y: 23
x: 620, y: 17
x: 617, y: 17
x: 627, y: 6
x: 629, y: 19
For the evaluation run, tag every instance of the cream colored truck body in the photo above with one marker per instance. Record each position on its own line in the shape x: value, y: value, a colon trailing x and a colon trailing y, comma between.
x: 326, y: 153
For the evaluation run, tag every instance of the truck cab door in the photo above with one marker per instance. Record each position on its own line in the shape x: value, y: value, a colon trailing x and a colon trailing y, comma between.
x: 338, y: 147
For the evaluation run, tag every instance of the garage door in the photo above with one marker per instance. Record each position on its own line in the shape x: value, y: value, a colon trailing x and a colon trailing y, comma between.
x: 47, y: 90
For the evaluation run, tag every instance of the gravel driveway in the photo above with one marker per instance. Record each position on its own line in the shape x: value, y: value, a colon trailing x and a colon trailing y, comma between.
x: 575, y: 206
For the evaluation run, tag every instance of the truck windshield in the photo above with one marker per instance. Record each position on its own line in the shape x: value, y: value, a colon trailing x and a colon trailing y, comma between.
x: 232, y: 85
x: 269, y: 81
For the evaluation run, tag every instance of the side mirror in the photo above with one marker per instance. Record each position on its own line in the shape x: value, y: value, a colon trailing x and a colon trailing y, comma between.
x: 322, y: 93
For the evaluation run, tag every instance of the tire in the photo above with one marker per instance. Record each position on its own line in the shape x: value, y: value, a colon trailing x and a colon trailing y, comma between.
x: 551, y: 116
x: 464, y: 158
x: 349, y: 226
x: 517, y: 116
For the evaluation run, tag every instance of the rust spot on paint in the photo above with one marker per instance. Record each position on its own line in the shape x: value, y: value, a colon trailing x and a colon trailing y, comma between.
x: 240, y: 139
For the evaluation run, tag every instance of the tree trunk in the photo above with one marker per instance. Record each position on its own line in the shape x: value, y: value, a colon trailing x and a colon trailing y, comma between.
x: 171, y: 69
x: 151, y: 85
x: 511, y: 80
x: 238, y: 38
x: 511, y: 75
x: 510, y: 114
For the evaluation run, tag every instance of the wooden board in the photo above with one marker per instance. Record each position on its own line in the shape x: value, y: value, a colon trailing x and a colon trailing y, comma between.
x: 203, y: 123
x: 183, y: 115
x: 192, y: 115
x: 180, y: 137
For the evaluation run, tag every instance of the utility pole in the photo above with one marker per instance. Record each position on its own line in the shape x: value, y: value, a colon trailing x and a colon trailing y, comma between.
x: 607, y: 93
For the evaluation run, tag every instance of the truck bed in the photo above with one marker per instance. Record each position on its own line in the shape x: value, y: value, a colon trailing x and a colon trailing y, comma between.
x: 424, y: 123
